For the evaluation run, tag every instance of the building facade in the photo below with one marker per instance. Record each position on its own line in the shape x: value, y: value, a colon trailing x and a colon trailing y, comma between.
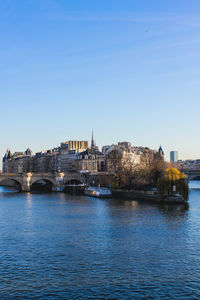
x: 71, y: 156
x: 77, y: 156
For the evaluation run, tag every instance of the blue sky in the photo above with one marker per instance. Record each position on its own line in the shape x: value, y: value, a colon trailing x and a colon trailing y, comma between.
x: 129, y: 69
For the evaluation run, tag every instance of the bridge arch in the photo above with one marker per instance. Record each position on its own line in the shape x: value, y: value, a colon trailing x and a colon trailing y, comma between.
x: 194, y: 177
x: 11, y: 182
x: 42, y: 184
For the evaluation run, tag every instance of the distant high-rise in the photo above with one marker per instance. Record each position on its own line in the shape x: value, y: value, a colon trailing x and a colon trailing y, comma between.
x: 173, y: 156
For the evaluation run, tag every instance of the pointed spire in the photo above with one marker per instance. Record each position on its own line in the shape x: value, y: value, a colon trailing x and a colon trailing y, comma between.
x: 161, y: 152
x: 8, y: 154
x: 28, y: 152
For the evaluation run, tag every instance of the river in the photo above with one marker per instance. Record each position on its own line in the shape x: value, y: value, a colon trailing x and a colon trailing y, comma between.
x: 59, y: 246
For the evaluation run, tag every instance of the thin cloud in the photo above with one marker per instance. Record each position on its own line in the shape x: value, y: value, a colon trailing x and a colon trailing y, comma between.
x: 192, y: 20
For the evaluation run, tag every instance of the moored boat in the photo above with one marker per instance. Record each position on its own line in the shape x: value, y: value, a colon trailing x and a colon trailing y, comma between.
x: 98, y: 192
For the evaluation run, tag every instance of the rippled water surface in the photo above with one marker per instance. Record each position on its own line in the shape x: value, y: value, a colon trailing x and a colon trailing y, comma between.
x: 59, y: 246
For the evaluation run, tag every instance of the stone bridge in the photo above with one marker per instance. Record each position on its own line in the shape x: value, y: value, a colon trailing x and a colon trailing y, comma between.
x: 58, y: 181
x: 192, y: 173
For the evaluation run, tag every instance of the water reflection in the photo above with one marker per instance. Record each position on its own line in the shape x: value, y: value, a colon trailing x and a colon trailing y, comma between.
x: 8, y: 190
x: 174, y: 210
x: 167, y: 209
x: 194, y: 184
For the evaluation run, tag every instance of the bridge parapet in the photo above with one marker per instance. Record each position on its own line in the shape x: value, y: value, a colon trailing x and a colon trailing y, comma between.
x: 192, y: 173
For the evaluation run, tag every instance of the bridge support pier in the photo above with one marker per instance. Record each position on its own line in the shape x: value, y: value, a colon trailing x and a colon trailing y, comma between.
x: 26, y: 182
x: 57, y: 188
x: 25, y: 189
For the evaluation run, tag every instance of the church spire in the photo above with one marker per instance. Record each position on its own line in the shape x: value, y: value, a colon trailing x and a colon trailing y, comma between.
x: 161, y: 152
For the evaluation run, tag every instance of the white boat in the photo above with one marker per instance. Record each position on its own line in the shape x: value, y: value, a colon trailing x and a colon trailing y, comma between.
x: 98, y: 192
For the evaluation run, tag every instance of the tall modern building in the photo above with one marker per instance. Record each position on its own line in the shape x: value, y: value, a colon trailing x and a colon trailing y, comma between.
x: 173, y: 156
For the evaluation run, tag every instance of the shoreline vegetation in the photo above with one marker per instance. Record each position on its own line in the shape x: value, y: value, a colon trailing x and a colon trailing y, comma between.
x: 172, y: 187
x: 153, y: 180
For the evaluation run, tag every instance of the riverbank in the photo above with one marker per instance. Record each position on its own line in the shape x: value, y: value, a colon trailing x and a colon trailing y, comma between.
x: 140, y: 195
x: 148, y: 196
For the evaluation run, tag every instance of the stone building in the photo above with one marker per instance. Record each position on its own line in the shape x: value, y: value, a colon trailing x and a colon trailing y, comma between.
x: 75, y: 145
x: 77, y: 156
x: 19, y: 162
x: 44, y: 162
x: 68, y: 154
x: 91, y: 160
x: 122, y: 153
x: 65, y: 158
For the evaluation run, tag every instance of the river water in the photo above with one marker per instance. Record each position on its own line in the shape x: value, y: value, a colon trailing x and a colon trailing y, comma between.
x: 58, y: 246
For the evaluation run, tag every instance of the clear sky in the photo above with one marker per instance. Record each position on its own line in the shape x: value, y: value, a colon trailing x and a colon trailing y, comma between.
x: 129, y: 69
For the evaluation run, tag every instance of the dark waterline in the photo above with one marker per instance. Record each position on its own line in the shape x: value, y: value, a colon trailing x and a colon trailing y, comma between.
x: 59, y: 246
